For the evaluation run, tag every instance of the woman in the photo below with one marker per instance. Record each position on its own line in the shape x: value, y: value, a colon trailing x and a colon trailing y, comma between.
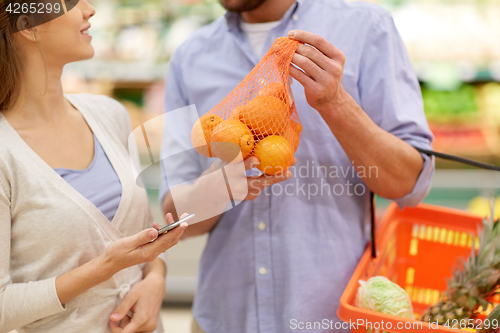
x: 73, y: 253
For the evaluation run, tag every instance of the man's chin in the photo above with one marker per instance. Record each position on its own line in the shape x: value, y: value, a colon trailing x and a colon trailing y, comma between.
x: 240, y: 6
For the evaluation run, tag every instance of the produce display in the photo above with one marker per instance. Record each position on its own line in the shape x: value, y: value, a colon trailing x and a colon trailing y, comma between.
x: 257, y: 118
x: 465, y: 121
x: 482, y: 206
x: 455, y: 105
x: 489, y: 99
x: 382, y: 295
x: 475, y: 280
x: 465, y: 33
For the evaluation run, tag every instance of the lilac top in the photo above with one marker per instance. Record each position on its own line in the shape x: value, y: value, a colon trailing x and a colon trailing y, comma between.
x: 99, y: 182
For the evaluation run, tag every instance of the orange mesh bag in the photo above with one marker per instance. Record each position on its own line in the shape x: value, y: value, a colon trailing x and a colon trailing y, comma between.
x: 257, y: 118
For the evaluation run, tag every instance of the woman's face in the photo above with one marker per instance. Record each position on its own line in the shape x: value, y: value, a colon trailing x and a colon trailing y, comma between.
x: 66, y: 39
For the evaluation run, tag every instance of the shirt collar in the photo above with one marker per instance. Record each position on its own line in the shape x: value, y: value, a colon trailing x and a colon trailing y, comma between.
x: 233, y: 19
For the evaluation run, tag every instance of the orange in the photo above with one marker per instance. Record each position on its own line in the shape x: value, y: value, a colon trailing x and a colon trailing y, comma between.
x: 292, y: 134
x: 202, y: 133
x: 265, y: 115
x: 275, y: 154
x: 296, y: 126
x: 274, y: 89
x: 236, y: 113
x: 229, y: 138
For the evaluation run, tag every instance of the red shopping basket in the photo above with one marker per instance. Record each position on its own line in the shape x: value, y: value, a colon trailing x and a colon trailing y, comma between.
x: 418, y: 249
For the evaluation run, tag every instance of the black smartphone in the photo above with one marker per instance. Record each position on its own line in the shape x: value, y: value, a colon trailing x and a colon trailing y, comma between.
x: 164, y: 230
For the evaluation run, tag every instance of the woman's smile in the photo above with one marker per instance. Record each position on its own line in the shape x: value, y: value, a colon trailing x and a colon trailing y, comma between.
x: 86, y: 33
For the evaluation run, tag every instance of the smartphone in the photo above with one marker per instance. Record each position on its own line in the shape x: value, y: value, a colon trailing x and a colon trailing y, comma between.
x: 164, y: 230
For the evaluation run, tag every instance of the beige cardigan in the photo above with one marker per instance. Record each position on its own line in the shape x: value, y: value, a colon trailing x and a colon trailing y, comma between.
x: 47, y: 228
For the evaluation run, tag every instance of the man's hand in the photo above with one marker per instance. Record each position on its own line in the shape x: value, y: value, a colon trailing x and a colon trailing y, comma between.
x: 323, y: 67
x: 257, y: 184
x: 254, y: 185
x: 209, y: 200
x: 367, y: 145
x: 144, y: 300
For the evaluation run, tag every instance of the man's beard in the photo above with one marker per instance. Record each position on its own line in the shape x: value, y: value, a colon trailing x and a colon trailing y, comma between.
x: 240, y: 6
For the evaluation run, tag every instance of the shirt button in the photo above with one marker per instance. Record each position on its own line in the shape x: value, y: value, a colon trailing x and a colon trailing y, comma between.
x: 262, y: 226
x: 262, y: 270
x: 295, y: 17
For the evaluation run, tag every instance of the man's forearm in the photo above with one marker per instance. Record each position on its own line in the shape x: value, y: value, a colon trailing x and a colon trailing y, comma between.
x: 195, y: 229
x: 397, y: 164
x: 366, y: 144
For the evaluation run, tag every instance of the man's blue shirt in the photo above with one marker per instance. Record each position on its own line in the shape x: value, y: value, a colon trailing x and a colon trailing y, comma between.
x: 287, y: 256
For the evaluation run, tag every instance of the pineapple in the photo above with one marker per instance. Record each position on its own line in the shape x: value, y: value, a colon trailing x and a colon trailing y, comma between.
x: 476, y: 280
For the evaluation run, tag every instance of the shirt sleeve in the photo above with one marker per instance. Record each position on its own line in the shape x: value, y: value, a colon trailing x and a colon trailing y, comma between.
x: 390, y: 94
x: 180, y: 161
x: 20, y: 303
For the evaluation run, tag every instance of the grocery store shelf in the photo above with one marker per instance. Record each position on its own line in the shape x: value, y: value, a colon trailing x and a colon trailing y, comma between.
x: 459, y: 72
x: 118, y: 71
x: 456, y: 188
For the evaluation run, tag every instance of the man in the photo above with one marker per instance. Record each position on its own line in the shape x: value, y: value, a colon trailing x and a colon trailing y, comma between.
x: 284, y: 256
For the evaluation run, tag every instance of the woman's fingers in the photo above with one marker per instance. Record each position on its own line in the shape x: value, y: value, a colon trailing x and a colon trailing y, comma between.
x: 125, y: 306
x: 165, y: 241
x: 140, y: 238
x: 131, y: 327
x: 173, y: 236
x: 125, y: 321
x: 115, y: 328
x: 169, y: 218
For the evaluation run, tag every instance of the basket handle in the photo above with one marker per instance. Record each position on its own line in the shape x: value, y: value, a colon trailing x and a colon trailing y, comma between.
x: 429, y: 153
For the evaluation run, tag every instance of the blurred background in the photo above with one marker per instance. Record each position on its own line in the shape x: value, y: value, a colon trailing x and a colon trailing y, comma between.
x: 454, y: 46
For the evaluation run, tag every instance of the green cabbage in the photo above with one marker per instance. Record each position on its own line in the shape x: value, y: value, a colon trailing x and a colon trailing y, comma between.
x: 382, y: 295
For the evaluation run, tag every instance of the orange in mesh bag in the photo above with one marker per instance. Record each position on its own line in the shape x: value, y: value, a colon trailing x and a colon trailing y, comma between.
x: 257, y: 118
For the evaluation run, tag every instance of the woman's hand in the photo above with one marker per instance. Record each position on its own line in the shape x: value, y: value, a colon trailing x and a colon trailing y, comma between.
x: 123, y: 253
x: 140, y: 248
x: 144, y: 300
